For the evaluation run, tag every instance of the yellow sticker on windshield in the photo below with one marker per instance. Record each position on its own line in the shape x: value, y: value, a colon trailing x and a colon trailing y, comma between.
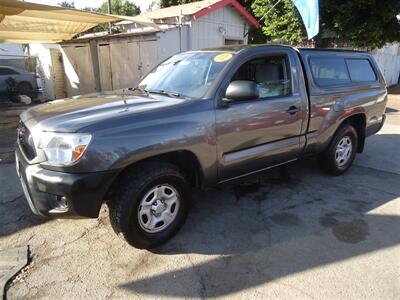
x: 223, y: 57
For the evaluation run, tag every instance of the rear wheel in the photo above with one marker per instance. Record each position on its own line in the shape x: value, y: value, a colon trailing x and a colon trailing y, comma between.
x: 341, y: 152
x: 150, y: 204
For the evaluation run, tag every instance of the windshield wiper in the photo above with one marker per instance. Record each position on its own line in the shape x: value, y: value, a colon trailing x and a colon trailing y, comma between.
x: 140, y: 90
x: 165, y: 93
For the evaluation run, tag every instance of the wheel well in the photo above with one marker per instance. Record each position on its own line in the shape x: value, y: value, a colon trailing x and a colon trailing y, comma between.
x: 358, y: 122
x: 185, y: 160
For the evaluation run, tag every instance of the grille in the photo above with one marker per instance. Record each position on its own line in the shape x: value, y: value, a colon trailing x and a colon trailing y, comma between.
x: 25, y: 141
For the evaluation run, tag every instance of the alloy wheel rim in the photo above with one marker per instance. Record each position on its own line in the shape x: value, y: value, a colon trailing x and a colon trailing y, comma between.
x: 343, y: 151
x: 158, y: 208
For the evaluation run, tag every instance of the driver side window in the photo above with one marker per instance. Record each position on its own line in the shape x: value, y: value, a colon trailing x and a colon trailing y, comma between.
x: 270, y: 73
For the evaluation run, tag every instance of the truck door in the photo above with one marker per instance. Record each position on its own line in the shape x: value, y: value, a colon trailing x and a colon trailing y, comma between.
x: 259, y: 133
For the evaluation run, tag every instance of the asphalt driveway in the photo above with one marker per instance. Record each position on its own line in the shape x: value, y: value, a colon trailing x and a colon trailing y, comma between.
x: 289, y: 233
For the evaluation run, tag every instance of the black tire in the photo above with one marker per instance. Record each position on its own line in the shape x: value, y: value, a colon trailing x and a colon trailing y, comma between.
x: 132, y: 188
x: 24, y: 88
x: 327, y: 159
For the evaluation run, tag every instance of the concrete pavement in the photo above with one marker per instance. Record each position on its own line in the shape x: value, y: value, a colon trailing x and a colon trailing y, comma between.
x: 11, y: 262
x: 9, y: 117
x: 289, y: 233
x: 383, y: 149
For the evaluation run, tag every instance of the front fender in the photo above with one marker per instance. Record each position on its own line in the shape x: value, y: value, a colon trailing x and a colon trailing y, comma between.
x: 181, y: 136
x: 192, y: 129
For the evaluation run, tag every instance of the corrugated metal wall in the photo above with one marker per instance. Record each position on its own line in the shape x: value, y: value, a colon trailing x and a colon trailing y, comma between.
x: 388, y: 59
x: 83, y: 79
x: 106, y: 83
x: 173, y: 41
x: 122, y: 63
x: 118, y: 64
x: 112, y: 63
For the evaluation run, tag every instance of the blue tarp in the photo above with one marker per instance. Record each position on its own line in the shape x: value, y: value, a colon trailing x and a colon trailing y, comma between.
x: 310, y: 14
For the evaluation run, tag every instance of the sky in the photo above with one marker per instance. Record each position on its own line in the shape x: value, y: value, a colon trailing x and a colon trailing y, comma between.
x: 144, y: 4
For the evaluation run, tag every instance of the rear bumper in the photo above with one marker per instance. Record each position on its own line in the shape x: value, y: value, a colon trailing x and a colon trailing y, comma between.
x: 58, y: 194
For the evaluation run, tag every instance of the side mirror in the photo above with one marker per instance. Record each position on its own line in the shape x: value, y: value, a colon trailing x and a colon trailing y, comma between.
x: 240, y: 90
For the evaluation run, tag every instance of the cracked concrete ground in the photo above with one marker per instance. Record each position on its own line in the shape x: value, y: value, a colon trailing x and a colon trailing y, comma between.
x: 289, y: 233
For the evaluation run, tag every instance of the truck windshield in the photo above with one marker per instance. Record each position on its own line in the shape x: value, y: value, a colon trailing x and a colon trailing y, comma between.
x: 185, y: 75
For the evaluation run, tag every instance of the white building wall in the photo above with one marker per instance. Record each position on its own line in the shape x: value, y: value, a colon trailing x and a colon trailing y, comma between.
x: 11, y: 50
x: 78, y: 68
x: 12, y: 55
x: 42, y: 51
x: 212, y: 29
x: 388, y: 59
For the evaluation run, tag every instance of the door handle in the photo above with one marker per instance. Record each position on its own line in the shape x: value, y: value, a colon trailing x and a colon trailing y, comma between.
x: 292, y: 110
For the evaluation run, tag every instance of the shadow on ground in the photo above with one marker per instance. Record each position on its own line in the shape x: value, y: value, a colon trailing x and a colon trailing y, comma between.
x: 15, y: 214
x: 275, y: 224
x: 394, y: 90
x: 391, y: 110
x: 281, y: 223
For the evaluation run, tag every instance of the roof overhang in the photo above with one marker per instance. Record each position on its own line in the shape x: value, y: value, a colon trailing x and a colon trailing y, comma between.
x: 197, y: 10
x: 223, y: 3
x: 24, y: 22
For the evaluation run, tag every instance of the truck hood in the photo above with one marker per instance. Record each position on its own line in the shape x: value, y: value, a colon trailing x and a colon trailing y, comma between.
x: 73, y: 114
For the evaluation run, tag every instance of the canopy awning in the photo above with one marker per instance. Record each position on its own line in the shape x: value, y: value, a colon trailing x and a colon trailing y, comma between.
x: 24, y: 22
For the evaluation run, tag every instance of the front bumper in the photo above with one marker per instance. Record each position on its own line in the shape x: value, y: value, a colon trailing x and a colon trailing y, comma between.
x: 51, y: 193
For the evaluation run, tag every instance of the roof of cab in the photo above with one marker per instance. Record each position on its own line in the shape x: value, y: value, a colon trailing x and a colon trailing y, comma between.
x: 237, y: 48
x: 330, y: 50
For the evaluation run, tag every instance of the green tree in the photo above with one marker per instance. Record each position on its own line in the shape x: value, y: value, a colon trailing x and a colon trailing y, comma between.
x: 255, y: 35
x: 282, y: 22
x: 120, y: 7
x: 168, y: 3
x: 67, y: 4
x: 366, y: 23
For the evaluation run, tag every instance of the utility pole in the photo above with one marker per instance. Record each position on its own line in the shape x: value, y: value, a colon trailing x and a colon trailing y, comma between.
x: 110, y: 12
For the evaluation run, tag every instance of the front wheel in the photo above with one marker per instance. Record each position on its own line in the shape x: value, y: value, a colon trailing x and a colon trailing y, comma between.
x: 341, y: 152
x: 150, y: 204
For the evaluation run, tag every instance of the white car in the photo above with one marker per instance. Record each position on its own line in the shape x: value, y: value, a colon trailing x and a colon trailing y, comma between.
x: 16, y: 81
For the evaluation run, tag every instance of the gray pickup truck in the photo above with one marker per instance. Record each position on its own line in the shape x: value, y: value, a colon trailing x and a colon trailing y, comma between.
x: 198, y: 119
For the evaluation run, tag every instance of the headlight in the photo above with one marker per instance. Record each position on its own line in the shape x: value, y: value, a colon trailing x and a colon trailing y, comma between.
x: 63, y: 148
